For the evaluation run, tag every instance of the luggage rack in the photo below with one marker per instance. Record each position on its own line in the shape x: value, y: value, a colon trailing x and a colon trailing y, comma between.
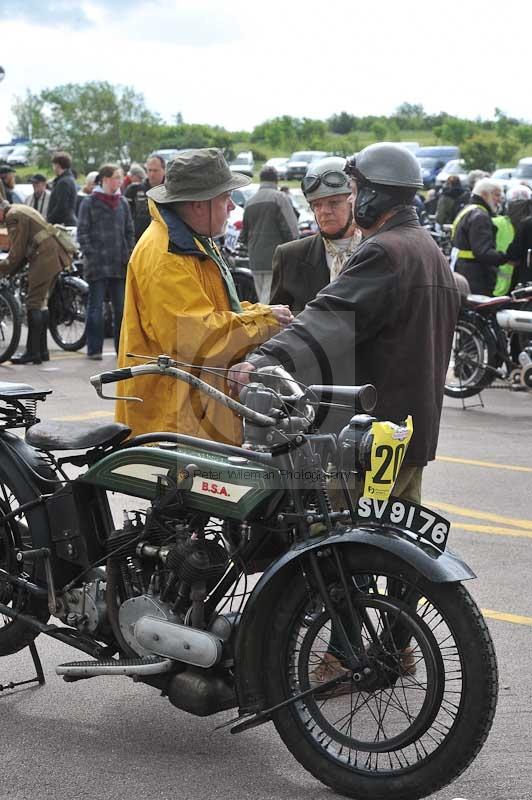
x: 18, y: 404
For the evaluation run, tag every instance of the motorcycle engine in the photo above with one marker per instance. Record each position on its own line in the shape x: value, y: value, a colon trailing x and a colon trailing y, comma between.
x: 163, y: 575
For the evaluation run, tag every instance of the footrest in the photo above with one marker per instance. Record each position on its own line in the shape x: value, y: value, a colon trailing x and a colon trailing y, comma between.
x: 151, y: 665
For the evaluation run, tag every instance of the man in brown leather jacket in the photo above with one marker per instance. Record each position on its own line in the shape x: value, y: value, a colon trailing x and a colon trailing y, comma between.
x: 28, y: 242
x: 389, y: 317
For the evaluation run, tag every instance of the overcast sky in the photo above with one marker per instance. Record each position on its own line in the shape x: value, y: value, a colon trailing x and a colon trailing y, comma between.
x: 237, y: 63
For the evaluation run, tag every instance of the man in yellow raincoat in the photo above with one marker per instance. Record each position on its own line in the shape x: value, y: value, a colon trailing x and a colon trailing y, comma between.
x: 181, y: 301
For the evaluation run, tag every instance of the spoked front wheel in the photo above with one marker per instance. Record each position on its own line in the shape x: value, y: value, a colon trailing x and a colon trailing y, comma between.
x: 420, y: 711
x: 15, y: 536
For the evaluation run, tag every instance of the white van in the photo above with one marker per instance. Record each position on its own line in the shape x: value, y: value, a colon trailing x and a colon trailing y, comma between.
x: 523, y: 173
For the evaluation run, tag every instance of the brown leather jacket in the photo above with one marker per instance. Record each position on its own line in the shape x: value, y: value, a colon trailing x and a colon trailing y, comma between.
x: 388, y: 319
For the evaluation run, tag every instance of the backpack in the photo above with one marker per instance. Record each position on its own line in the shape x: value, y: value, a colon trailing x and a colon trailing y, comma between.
x: 61, y: 234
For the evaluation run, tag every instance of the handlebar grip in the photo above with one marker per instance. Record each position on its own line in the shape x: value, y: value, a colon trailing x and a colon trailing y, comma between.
x: 116, y: 375
x: 359, y: 398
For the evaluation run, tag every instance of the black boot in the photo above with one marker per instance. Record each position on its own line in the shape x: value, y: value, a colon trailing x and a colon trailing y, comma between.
x: 33, y: 342
x: 45, y: 355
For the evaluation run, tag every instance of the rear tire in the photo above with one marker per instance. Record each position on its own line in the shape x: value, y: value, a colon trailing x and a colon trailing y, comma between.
x: 68, y: 316
x: 399, y: 734
x: 10, y: 324
x: 473, y: 362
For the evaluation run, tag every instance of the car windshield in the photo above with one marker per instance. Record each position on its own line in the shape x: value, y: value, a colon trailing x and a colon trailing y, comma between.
x: 241, y: 196
x: 242, y: 160
x: 524, y: 171
x: 427, y: 162
x: 303, y: 156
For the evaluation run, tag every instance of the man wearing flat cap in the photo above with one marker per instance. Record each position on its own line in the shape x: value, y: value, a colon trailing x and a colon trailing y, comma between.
x: 39, y: 199
x: 181, y: 301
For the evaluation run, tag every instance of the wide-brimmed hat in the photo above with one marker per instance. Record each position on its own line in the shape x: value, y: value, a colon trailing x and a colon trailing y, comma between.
x: 197, y: 175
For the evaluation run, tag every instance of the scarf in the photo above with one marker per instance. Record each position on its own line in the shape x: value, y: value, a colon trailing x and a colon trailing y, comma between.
x: 110, y: 200
x: 209, y: 247
x: 338, y: 252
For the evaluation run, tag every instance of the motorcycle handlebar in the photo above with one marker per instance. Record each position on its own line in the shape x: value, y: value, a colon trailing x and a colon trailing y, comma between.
x: 359, y: 398
x: 164, y: 368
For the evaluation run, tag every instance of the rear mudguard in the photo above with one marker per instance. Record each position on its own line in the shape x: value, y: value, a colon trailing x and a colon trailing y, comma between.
x: 433, y: 565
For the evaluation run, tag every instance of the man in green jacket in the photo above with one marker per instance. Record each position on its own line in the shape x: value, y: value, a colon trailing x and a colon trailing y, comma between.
x: 269, y: 220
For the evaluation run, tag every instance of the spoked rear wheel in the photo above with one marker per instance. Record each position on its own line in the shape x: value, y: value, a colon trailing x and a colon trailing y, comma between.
x: 419, y: 716
x: 10, y: 325
x: 472, y: 365
x: 68, y: 316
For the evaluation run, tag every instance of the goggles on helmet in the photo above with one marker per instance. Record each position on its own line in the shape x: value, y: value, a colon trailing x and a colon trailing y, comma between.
x: 352, y: 170
x: 334, y: 179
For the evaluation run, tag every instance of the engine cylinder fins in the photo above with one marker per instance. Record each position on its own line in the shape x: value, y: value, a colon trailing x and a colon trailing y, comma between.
x: 151, y: 665
x: 194, y: 561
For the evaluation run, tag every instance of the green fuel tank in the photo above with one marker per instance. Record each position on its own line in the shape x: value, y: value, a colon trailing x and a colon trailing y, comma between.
x: 223, y: 486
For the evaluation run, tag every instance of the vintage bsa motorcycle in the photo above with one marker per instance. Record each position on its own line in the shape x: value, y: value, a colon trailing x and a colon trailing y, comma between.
x: 359, y: 641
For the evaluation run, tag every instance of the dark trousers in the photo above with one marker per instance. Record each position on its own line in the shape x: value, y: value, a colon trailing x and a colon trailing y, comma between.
x: 95, y: 321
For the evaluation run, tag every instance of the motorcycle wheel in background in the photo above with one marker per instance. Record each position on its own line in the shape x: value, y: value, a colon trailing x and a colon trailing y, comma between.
x: 473, y: 364
x: 418, y: 719
x: 15, y: 536
x: 68, y: 313
x: 10, y: 323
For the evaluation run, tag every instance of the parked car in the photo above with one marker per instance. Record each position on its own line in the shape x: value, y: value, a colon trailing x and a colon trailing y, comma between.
x: 234, y: 222
x: 299, y: 161
x: 454, y: 167
x: 20, y: 156
x: 306, y: 222
x: 168, y: 153
x: 433, y: 159
x: 279, y: 164
x: 243, y: 163
x: 505, y: 178
x: 523, y: 172
x: 24, y: 190
x: 5, y: 150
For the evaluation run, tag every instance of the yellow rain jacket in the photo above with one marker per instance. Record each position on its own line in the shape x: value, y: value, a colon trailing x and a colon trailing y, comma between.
x: 177, y: 304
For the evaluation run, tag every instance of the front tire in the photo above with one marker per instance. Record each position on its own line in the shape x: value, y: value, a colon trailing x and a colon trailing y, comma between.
x: 400, y: 733
x: 15, y: 535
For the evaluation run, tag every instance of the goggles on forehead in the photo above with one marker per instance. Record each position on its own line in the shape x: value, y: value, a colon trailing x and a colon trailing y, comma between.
x: 334, y: 179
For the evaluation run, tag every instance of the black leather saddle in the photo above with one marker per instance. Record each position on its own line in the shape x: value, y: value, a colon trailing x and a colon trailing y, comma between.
x: 75, y: 435
x: 21, y: 391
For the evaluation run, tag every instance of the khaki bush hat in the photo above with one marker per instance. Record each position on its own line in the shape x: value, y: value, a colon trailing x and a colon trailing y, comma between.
x: 197, y: 175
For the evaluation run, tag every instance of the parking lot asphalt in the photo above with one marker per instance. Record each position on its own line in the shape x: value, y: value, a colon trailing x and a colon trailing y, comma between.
x: 112, y: 738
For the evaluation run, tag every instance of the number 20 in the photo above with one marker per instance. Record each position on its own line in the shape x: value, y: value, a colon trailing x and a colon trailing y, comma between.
x: 388, y: 454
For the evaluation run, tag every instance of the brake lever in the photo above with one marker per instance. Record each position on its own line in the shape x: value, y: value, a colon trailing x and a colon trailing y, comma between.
x: 96, y: 381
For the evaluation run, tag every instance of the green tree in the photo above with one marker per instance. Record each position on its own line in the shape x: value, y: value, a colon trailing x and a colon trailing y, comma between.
x: 480, y: 152
x: 341, y: 123
x: 378, y: 130
x: 95, y: 122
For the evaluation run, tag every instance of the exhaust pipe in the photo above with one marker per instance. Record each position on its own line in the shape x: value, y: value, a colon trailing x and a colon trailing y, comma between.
x: 511, y: 320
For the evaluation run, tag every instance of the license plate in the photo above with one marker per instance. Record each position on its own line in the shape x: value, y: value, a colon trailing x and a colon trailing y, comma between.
x: 424, y: 523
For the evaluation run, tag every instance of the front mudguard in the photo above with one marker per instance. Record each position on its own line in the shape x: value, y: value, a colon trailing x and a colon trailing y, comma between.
x: 435, y: 566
